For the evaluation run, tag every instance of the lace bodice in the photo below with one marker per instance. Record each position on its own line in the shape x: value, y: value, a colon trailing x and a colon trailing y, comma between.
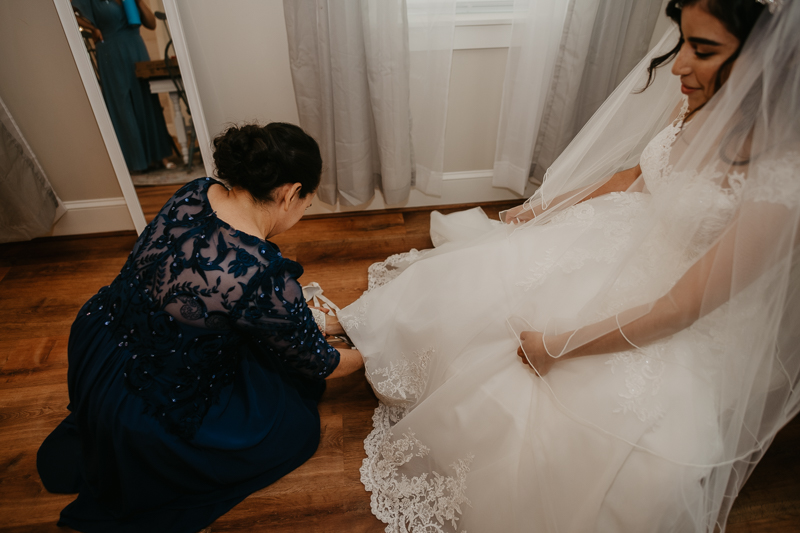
x: 194, y: 296
x: 701, y: 204
x: 654, y: 160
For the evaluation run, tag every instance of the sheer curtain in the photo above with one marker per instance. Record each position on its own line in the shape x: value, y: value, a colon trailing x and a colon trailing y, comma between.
x: 535, y: 36
x: 431, y: 29
x: 375, y: 102
x: 566, y: 57
x: 28, y: 205
x: 594, y: 57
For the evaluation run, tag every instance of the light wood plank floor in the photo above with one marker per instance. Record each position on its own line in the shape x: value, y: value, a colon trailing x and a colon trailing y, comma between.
x: 44, y: 282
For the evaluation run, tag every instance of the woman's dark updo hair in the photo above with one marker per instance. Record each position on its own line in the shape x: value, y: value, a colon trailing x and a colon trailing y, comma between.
x: 259, y: 159
x: 738, y: 17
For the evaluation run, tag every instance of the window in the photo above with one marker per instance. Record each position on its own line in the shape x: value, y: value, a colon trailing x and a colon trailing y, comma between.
x: 482, y: 7
x: 478, y: 23
x: 483, y: 24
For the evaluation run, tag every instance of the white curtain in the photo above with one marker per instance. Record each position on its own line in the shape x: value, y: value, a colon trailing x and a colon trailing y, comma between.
x: 565, y: 58
x: 535, y: 37
x: 596, y: 54
x: 363, y: 95
x: 431, y: 28
x: 28, y: 205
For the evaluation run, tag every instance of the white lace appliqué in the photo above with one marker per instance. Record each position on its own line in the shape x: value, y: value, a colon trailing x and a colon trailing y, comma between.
x: 429, y: 502
x: 379, y: 274
x: 616, y: 230
x: 538, y: 272
x: 406, y: 379
x: 776, y: 181
x: 654, y: 160
x: 385, y: 271
x: 352, y: 319
x: 643, y: 374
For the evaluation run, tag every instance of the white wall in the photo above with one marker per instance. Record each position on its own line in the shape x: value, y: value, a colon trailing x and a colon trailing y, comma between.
x: 40, y: 84
x: 240, y: 55
x: 473, y: 113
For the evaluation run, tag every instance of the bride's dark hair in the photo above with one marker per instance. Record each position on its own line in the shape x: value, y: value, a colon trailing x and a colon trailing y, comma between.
x: 738, y: 17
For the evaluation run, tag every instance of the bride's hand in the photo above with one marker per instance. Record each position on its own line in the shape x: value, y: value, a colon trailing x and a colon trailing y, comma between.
x: 518, y: 215
x: 532, y: 344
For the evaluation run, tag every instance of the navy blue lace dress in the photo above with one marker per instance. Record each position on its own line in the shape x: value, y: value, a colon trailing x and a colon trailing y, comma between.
x: 193, y: 378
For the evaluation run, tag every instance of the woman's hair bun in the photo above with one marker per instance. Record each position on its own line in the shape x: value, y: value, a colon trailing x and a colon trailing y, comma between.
x: 260, y: 159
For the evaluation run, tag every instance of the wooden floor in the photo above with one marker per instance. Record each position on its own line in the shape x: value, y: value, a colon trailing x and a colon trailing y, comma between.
x: 44, y: 282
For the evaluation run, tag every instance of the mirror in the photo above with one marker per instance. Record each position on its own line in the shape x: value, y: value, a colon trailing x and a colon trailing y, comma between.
x: 146, y: 101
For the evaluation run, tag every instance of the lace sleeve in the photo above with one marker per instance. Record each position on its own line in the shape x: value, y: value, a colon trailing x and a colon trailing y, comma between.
x: 207, y: 275
x: 283, y: 326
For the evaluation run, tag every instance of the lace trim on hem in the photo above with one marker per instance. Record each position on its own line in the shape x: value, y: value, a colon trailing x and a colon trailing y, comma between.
x: 430, y: 502
x: 379, y: 274
x: 406, y: 380
x: 383, y: 272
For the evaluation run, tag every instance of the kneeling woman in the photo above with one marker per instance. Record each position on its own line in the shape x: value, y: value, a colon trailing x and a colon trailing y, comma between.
x: 194, y: 377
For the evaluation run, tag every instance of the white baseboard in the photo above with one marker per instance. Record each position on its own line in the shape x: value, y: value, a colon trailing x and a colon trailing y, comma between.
x: 94, y: 216
x: 468, y: 175
x: 111, y: 214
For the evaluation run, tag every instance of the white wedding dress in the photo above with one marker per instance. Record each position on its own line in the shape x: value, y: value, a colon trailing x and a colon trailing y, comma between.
x: 468, y: 438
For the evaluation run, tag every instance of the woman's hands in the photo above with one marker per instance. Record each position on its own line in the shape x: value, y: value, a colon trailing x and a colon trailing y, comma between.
x: 532, y: 345
x: 350, y: 360
x: 332, y: 325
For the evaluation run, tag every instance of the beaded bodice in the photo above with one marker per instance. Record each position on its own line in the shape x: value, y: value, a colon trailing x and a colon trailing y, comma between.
x: 194, y: 297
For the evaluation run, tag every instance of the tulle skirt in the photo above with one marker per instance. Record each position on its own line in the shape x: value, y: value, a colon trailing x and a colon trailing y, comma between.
x: 468, y: 438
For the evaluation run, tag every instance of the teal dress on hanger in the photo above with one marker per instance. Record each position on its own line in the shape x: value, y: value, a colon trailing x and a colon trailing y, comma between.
x: 136, y: 114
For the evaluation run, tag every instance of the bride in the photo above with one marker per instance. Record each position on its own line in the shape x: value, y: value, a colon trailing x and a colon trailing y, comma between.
x: 655, y: 309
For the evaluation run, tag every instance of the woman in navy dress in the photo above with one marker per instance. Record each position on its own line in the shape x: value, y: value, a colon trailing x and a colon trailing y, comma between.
x: 194, y: 377
x: 136, y: 114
